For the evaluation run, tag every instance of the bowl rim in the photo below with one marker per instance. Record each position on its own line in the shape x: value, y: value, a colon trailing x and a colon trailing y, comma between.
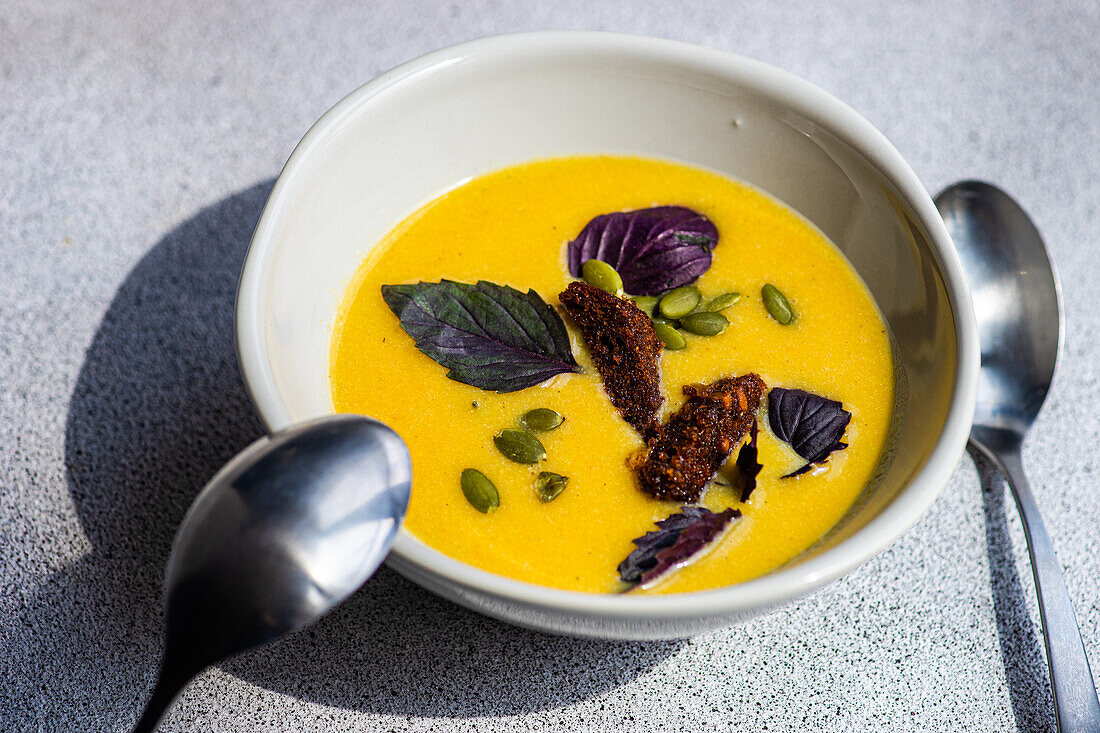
x: 810, y: 101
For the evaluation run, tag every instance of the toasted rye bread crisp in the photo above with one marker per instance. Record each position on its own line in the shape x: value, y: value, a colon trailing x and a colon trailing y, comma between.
x: 689, y: 449
x: 625, y: 350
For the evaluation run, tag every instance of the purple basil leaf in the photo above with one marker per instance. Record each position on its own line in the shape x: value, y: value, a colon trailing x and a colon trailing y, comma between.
x: 489, y: 336
x: 653, y: 250
x: 748, y: 464
x: 813, y: 425
x: 678, y: 538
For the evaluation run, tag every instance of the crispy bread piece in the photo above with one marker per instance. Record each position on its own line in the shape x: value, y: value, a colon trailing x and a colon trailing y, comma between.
x: 625, y: 350
x: 689, y: 449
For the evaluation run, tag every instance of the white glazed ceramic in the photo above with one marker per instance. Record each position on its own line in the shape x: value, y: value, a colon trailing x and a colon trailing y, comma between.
x: 427, y: 125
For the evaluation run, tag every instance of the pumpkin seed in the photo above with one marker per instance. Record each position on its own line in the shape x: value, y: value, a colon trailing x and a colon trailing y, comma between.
x: 599, y: 274
x: 777, y: 304
x: 680, y: 302
x: 666, y: 321
x: 670, y: 337
x: 723, y: 301
x: 479, y: 491
x: 705, y: 323
x: 542, y: 419
x: 519, y: 446
x: 549, y: 485
x: 648, y: 303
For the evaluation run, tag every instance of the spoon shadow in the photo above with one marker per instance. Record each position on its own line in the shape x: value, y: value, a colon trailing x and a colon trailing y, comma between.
x: 158, y: 407
x: 1021, y: 650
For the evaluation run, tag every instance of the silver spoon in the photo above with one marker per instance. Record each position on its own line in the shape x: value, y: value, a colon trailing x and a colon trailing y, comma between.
x: 288, y: 529
x: 1019, y: 317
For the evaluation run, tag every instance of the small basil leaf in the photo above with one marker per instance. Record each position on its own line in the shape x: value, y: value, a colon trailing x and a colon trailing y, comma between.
x: 490, y: 336
x: 748, y: 464
x: 678, y: 538
x: 813, y: 425
x: 653, y: 250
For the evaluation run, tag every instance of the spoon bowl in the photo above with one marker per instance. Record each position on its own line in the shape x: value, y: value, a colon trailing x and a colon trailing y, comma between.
x: 1019, y: 315
x: 1016, y: 302
x: 287, y: 530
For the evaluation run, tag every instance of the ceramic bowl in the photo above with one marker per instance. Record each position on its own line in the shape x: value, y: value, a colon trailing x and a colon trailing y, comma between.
x: 423, y: 127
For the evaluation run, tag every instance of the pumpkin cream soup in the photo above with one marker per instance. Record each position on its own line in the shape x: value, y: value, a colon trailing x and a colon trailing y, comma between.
x: 618, y: 374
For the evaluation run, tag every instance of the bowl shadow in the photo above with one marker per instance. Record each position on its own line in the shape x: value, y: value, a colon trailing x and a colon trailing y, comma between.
x: 158, y: 407
x: 396, y: 649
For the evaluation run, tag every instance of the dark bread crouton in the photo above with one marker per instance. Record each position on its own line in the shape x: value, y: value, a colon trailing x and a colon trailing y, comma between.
x: 688, y: 450
x: 625, y: 350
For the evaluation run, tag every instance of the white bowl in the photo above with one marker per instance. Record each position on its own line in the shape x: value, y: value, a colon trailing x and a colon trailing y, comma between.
x: 418, y: 130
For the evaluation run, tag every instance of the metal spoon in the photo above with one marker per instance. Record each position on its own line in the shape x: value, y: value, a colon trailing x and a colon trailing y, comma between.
x: 1019, y: 317
x: 288, y: 529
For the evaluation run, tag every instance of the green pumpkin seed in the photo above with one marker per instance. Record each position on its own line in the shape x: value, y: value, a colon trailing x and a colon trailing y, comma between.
x: 479, y: 491
x: 666, y: 321
x: 599, y: 274
x: 680, y: 302
x: 723, y: 301
x: 777, y: 304
x: 542, y: 419
x: 705, y: 323
x: 670, y: 337
x: 519, y: 446
x: 648, y: 303
x: 549, y: 485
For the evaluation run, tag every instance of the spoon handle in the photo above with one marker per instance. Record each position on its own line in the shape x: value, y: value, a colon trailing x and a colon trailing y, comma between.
x: 1075, y: 702
x: 170, y: 683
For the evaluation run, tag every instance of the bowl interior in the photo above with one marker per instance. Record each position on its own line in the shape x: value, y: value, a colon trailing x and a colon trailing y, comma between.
x: 426, y: 127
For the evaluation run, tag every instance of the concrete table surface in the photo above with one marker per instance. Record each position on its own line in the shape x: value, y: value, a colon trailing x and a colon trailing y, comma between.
x: 138, y: 142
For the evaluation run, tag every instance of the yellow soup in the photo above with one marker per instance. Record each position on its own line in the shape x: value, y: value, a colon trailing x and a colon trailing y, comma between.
x: 511, y: 227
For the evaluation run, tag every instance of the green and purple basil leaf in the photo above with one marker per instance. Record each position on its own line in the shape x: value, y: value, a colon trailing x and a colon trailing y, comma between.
x: 679, y: 538
x: 811, y: 424
x: 748, y: 464
x: 653, y: 250
x: 489, y: 336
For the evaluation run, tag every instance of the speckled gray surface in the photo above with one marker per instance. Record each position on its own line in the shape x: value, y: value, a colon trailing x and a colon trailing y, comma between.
x: 137, y: 144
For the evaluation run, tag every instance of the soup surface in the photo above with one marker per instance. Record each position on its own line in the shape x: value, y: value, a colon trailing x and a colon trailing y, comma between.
x: 511, y: 227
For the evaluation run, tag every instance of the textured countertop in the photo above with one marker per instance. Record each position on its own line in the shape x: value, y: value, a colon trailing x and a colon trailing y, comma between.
x: 138, y: 142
